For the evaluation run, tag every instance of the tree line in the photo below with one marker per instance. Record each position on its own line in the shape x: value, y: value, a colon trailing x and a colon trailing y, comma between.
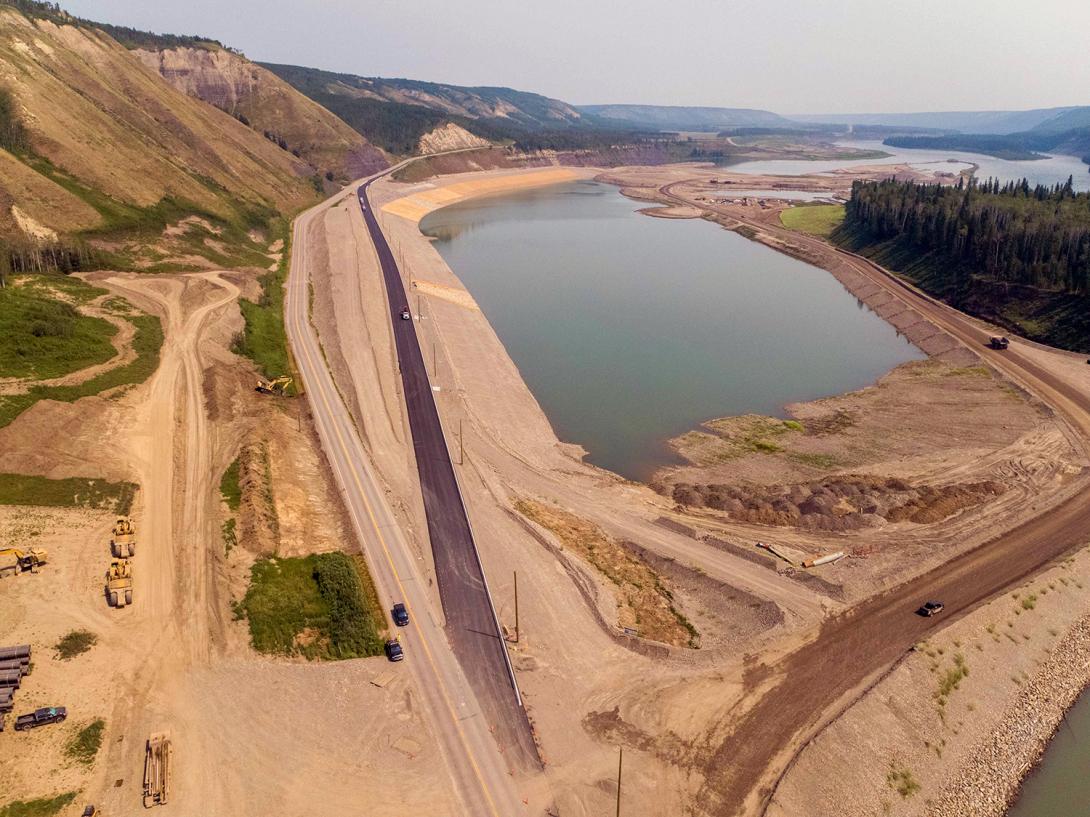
x: 1037, y: 236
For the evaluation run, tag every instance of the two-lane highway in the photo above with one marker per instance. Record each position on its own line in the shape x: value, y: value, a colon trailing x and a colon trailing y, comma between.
x: 471, y: 620
x: 478, y: 762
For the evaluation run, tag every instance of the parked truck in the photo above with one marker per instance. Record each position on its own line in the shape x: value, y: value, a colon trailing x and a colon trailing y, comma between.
x: 997, y: 342
x: 40, y: 717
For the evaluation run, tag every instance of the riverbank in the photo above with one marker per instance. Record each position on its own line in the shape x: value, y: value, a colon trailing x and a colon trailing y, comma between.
x: 955, y: 726
x: 671, y: 708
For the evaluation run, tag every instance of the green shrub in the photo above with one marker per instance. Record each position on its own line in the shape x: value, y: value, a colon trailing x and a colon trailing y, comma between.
x: 75, y: 643
x: 84, y: 746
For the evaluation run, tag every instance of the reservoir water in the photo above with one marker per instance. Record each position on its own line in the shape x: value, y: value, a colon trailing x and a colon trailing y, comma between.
x: 630, y: 330
x: 1059, y: 786
x: 1053, y: 170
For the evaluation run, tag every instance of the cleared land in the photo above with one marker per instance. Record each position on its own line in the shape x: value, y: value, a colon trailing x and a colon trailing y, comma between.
x: 814, y: 219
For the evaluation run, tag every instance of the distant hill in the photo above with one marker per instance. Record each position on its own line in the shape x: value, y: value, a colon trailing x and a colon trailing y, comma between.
x: 678, y: 118
x: 1027, y: 145
x: 397, y: 113
x: 979, y: 122
x: 1072, y: 119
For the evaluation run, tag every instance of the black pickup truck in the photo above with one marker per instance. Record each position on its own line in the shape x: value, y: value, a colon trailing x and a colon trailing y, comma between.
x: 41, y: 717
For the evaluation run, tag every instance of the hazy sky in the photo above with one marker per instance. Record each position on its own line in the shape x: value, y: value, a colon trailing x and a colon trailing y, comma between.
x: 790, y: 56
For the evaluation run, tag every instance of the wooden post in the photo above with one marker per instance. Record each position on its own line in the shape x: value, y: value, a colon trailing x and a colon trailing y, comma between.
x: 620, y: 759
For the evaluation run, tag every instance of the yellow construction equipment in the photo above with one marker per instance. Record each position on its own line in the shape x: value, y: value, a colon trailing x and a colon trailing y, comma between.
x: 123, y: 540
x: 277, y: 386
x: 119, y: 583
x: 157, y: 770
x: 15, y: 560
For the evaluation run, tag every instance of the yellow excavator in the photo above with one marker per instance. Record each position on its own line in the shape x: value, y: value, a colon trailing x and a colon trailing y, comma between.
x: 15, y: 560
x: 277, y: 386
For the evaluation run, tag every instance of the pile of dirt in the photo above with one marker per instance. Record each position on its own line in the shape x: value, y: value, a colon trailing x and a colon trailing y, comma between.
x: 644, y: 602
x: 259, y: 526
x: 839, y: 503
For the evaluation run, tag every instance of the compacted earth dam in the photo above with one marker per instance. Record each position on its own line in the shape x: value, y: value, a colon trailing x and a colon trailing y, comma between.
x: 631, y: 330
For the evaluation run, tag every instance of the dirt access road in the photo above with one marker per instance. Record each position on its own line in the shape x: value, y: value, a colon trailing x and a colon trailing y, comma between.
x: 853, y: 647
x: 478, y: 764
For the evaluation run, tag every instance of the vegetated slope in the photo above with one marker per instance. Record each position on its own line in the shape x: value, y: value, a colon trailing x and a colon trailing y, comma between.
x: 1025, y: 145
x: 396, y: 113
x: 1013, y: 254
x: 260, y: 99
x: 106, y: 147
x: 984, y: 122
x: 672, y: 117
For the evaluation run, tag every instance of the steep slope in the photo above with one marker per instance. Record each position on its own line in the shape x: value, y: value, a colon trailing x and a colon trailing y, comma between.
x: 110, y: 147
x: 673, y: 117
x: 448, y: 137
x: 259, y: 98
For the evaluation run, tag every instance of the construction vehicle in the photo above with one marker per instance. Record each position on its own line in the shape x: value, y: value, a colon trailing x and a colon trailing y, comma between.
x: 276, y: 386
x: 123, y: 540
x: 997, y: 342
x: 157, y: 770
x: 14, y: 560
x: 119, y: 583
x: 90, y: 811
x: 40, y: 717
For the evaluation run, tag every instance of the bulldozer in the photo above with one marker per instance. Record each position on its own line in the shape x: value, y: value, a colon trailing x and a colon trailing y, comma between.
x: 15, y: 560
x: 123, y: 540
x: 119, y: 583
x: 276, y: 386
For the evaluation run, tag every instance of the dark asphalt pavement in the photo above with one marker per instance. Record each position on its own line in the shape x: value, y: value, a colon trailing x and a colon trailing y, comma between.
x: 471, y: 624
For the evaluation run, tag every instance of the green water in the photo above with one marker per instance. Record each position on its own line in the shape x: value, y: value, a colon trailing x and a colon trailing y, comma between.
x: 630, y: 330
x: 1060, y: 785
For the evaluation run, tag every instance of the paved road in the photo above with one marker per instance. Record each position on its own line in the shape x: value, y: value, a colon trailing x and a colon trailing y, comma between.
x: 476, y: 760
x: 471, y: 620
x: 853, y: 646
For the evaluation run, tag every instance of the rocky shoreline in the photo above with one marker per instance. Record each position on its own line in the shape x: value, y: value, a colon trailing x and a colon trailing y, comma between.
x: 991, y: 781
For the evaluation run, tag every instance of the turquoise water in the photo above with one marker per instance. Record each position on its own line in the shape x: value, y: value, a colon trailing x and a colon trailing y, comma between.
x: 630, y: 330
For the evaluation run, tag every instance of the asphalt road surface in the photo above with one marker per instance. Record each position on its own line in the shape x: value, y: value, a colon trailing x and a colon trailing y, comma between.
x: 472, y: 627
x: 478, y: 761
x: 856, y: 645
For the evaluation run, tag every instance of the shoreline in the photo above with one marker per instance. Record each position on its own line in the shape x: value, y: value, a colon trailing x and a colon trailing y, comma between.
x: 918, y: 330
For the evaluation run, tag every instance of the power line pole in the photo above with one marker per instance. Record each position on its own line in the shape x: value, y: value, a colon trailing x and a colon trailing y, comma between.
x: 516, y: 607
x: 461, y: 446
x: 620, y: 760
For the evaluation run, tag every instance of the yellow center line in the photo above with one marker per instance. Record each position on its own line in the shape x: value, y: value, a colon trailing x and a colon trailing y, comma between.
x: 322, y: 389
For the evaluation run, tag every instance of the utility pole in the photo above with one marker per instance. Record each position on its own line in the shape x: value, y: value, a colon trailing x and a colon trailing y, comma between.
x: 434, y: 361
x: 620, y: 759
x: 516, y: 607
x: 461, y: 447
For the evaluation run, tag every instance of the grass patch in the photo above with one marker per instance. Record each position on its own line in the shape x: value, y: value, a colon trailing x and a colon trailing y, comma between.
x: 951, y: 679
x: 75, y: 643
x: 230, y: 489
x: 320, y: 606
x: 230, y: 536
x: 84, y: 745
x: 42, y: 337
x: 902, y: 781
x: 41, y: 807
x: 749, y: 434
x: 825, y: 461
x: 263, y: 339
x: 644, y: 603
x: 73, y: 492
x: 1029, y: 602
x: 146, y: 343
x: 814, y: 219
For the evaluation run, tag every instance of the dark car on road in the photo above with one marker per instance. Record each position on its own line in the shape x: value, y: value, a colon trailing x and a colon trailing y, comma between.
x: 41, y: 717
x: 401, y: 615
x: 394, y: 651
x: 930, y: 608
